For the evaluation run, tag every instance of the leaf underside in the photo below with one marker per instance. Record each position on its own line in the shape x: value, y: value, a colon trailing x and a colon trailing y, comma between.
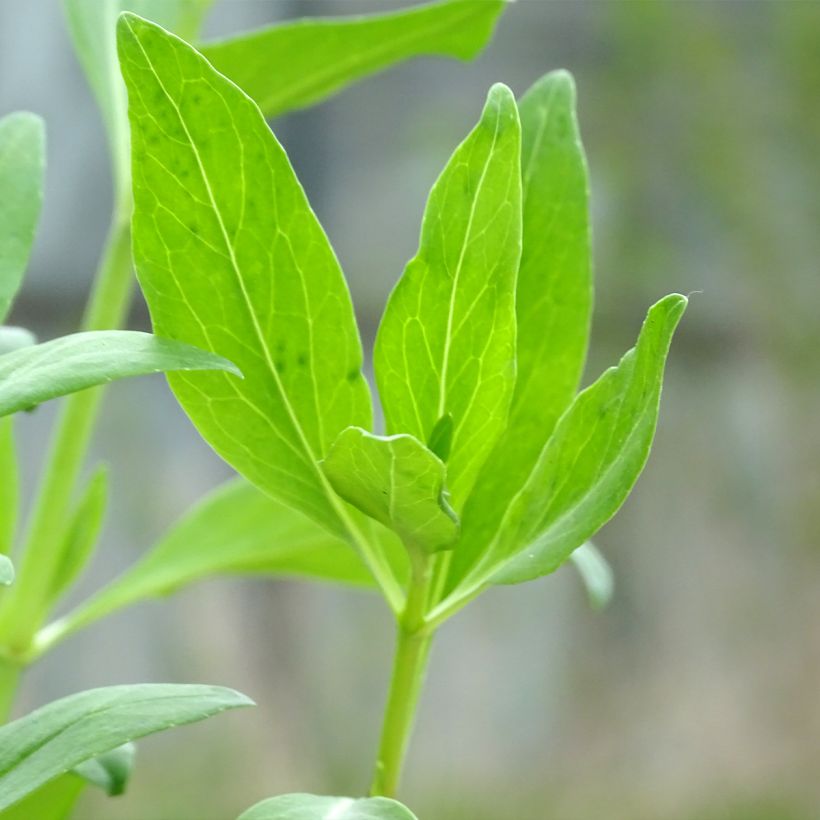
x: 315, y: 807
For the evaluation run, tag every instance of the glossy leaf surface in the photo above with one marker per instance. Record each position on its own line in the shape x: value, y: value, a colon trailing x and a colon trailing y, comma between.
x: 6, y: 571
x: 315, y: 807
x: 32, y: 375
x: 13, y: 338
x: 53, y: 740
x: 397, y: 481
x: 446, y: 343
x: 214, y: 192
x: 299, y: 63
x: 22, y: 164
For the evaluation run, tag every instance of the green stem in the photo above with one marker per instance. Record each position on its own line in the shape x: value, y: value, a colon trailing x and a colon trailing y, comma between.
x: 28, y: 601
x: 413, y: 644
x: 9, y: 676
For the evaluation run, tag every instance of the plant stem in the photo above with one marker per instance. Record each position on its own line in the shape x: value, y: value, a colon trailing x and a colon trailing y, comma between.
x: 27, y: 602
x: 9, y: 675
x: 413, y: 644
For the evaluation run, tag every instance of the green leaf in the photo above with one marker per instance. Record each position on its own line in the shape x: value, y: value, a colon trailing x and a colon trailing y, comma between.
x: 314, y: 807
x: 22, y: 163
x: 214, y: 192
x: 53, y: 801
x: 13, y: 338
x: 591, y: 461
x: 553, y: 300
x: 446, y: 344
x: 53, y: 740
x: 82, y: 533
x: 9, y: 486
x: 32, y: 375
x: 109, y: 771
x: 236, y: 530
x: 6, y: 571
x: 595, y: 573
x: 296, y: 64
x: 92, y: 26
x: 397, y: 481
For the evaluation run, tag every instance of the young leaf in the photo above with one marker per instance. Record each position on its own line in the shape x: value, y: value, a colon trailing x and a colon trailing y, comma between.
x: 22, y: 162
x: 595, y: 573
x: 296, y: 64
x: 32, y: 375
x: 9, y: 486
x: 6, y: 571
x: 446, y: 343
x: 314, y: 807
x: 214, y: 192
x: 236, y: 530
x: 109, y: 771
x: 13, y: 338
x: 554, y: 296
x: 585, y: 470
x: 397, y: 481
x: 54, y: 739
x: 83, y: 532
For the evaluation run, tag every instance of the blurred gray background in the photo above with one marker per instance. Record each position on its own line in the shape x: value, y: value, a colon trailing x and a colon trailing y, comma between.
x: 696, y: 694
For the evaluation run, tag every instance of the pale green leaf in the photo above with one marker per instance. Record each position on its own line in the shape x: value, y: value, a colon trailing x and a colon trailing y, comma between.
x: 595, y: 573
x: 53, y: 740
x: 9, y: 486
x: 53, y: 801
x: 584, y: 472
x: 315, y: 807
x: 22, y: 163
x: 299, y: 63
x: 13, y: 338
x: 236, y: 530
x: 109, y: 771
x: 82, y: 533
x: 231, y: 258
x: 397, y: 481
x: 32, y: 375
x: 92, y: 25
x: 6, y: 571
x: 553, y: 301
x: 446, y: 343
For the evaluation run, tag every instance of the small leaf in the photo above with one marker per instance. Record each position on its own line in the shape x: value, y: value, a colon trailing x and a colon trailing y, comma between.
x: 236, y: 530
x: 109, y: 771
x: 6, y: 571
x: 595, y: 573
x: 13, y: 338
x: 32, y: 375
x: 22, y: 163
x: 446, y: 343
x: 314, y: 807
x: 296, y: 64
x: 53, y: 740
x: 9, y: 486
x: 82, y: 533
x: 397, y: 481
x: 214, y: 191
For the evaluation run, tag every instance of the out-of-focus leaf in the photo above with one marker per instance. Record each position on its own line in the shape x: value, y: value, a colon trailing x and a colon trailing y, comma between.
x: 22, y: 163
x: 6, y: 571
x: 13, y: 338
x: 53, y: 740
x: 446, y: 343
x: 109, y: 771
x: 9, y: 486
x: 596, y: 574
x: 214, y: 191
x: 296, y: 64
x: 315, y: 807
x: 397, y: 481
x: 32, y: 375
x: 53, y: 801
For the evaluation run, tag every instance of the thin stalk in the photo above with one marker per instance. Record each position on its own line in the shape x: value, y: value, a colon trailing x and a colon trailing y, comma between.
x: 27, y: 602
x: 413, y: 644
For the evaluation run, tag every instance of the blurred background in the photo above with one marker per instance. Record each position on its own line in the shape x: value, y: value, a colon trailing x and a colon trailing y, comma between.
x: 696, y: 694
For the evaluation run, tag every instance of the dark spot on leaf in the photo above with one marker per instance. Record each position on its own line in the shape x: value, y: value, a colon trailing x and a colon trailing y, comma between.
x: 279, y: 364
x: 352, y: 375
x: 301, y: 360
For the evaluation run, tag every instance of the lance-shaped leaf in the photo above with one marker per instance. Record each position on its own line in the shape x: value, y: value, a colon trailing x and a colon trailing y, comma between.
x: 315, y: 807
x: 446, y: 344
x: 22, y: 162
x: 32, y: 375
x: 299, y: 63
x: 235, y: 530
x: 554, y: 296
x: 397, y: 481
x: 9, y: 486
x: 6, y: 571
x: 596, y: 574
x: 588, y: 466
x: 231, y: 258
x: 54, y: 739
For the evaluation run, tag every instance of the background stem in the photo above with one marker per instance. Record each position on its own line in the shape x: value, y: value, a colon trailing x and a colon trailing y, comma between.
x: 9, y: 676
